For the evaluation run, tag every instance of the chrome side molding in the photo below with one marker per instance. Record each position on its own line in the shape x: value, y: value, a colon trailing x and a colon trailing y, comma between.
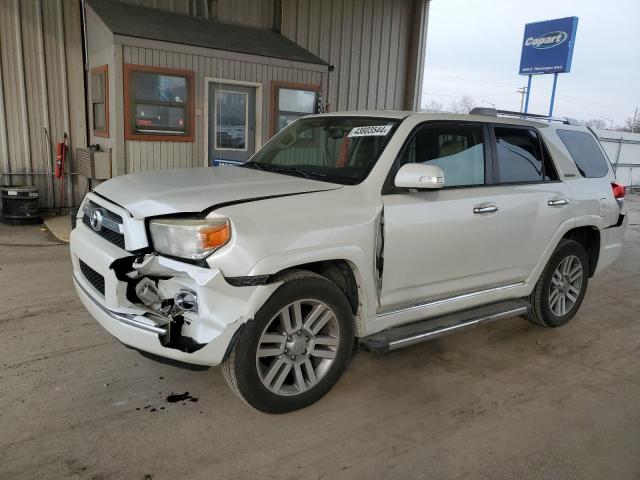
x: 444, y: 301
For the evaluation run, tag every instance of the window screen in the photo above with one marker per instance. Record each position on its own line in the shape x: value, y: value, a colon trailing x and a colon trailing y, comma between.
x: 99, y: 101
x: 457, y: 149
x: 585, y: 153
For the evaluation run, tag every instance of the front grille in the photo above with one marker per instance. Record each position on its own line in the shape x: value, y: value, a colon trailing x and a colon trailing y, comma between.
x: 109, y: 235
x: 93, y: 277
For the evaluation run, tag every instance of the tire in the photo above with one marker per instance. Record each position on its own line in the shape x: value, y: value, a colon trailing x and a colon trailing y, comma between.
x: 279, y: 380
x: 552, y: 286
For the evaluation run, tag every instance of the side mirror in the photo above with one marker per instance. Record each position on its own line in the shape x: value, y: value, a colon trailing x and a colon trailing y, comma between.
x: 419, y: 175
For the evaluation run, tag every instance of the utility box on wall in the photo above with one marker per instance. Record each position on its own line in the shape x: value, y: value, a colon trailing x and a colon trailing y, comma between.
x: 94, y: 164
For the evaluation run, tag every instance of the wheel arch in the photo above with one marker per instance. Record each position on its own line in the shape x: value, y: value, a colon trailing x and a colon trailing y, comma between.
x: 589, y: 237
x: 338, y: 271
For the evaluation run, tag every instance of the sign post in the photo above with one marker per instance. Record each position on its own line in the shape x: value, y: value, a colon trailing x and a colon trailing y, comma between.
x: 547, y: 47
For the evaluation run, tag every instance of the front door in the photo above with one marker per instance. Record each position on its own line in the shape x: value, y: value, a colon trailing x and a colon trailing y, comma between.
x: 232, y: 123
x: 442, y: 242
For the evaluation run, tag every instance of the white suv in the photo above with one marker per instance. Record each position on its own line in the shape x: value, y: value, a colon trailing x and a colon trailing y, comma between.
x: 390, y: 228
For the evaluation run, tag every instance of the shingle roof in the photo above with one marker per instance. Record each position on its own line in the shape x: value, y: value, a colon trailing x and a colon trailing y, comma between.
x: 141, y: 22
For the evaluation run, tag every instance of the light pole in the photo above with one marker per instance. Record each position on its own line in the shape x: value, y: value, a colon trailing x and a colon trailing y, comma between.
x: 522, y: 91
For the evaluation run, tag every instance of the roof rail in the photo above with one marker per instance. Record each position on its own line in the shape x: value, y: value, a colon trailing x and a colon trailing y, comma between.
x: 492, y: 112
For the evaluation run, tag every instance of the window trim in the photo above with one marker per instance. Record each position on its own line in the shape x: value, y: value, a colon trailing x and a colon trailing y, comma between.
x: 547, y: 159
x: 388, y: 188
x: 275, y: 100
x: 129, y: 134
x: 104, y: 69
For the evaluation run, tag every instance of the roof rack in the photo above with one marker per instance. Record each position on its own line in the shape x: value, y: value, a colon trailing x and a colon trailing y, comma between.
x: 492, y: 112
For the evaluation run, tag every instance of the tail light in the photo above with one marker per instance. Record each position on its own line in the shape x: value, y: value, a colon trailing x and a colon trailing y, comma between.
x: 619, y: 191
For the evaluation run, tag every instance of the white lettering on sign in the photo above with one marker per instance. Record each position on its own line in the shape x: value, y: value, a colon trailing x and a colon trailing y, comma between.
x: 372, y: 131
x: 548, y: 40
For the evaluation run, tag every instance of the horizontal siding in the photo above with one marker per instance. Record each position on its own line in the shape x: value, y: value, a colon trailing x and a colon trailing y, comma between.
x: 37, y: 47
x: 367, y: 41
x: 151, y: 155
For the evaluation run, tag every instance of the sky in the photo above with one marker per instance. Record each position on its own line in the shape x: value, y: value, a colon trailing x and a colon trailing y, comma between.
x: 473, y: 48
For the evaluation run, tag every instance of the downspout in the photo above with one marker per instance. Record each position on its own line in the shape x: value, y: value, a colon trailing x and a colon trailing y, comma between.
x: 416, y: 55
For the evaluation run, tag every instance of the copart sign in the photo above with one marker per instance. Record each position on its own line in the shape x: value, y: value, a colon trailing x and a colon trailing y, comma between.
x: 547, y: 46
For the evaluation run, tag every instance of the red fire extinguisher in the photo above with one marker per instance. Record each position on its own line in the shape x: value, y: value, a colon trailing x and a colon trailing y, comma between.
x: 61, y: 152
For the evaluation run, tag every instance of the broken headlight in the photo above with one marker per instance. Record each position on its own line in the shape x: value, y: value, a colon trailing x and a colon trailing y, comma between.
x: 189, y: 238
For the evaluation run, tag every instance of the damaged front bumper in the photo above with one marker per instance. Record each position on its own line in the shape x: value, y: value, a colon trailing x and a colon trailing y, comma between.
x: 202, y: 336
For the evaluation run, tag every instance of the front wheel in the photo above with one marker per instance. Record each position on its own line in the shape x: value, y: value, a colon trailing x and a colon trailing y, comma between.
x: 295, y: 349
x: 560, y: 289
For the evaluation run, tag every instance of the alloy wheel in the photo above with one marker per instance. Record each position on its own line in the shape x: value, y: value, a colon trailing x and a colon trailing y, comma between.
x: 566, y: 284
x: 297, y: 347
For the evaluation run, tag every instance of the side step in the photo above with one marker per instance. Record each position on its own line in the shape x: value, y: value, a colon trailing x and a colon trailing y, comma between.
x: 405, y: 335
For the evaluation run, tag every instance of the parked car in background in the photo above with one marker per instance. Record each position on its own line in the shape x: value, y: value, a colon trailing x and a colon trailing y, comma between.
x: 385, y: 228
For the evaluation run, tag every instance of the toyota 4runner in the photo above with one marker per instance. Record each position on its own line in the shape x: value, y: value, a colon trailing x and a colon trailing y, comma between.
x: 379, y: 228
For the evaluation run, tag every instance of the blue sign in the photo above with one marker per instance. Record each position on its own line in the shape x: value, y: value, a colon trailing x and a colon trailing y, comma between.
x: 225, y: 162
x: 547, y: 46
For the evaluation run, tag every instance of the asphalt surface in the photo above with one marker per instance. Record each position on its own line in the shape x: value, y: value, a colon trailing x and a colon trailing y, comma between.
x: 507, y: 400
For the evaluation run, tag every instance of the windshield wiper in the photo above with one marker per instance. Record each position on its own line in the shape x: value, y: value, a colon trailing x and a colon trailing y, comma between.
x: 296, y: 170
x: 256, y: 165
x: 268, y: 167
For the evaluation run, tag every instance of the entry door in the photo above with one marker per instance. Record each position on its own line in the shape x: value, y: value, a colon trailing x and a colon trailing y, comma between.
x: 232, y: 123
x: 442, y: 242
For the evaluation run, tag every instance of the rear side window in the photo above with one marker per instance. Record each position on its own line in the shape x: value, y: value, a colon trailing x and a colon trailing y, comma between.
x: 457, y: 149
x: 585, y: 152
x: 521, y: 157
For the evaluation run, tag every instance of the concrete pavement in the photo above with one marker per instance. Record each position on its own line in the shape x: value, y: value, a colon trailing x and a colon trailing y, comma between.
x: 502, y: 401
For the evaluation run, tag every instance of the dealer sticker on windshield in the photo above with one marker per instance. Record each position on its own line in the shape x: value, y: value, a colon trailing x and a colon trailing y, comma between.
x: 372, y: 131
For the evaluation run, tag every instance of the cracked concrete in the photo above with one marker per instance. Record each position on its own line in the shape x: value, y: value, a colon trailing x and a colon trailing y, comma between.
x: 502, y: 401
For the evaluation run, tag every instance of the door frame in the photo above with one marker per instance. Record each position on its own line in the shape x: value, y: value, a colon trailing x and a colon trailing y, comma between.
x: 222, y: 81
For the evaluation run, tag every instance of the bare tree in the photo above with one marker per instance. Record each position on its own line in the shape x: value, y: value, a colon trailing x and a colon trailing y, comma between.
x: 434, y: 107
x: 595, y: 123
x: 467, y: 104
x: 464, y: 105
x: 632, y: 126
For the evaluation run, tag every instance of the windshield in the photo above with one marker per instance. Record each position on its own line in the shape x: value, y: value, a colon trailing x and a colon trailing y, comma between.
x: 334, y: 149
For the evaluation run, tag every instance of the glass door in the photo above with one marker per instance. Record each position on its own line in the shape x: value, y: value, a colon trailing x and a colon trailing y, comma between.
x: 232, y: 123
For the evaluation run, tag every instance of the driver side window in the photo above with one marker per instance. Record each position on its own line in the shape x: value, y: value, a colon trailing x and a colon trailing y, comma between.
x: 457, y: 149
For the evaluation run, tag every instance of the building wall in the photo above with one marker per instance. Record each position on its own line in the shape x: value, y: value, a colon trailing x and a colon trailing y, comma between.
x: 139, y: 155
x: 623, y: 150
x: 41, y: 76
x: 367, y: 41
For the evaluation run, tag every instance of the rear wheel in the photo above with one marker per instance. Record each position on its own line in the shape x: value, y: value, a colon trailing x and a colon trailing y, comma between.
x: 560, y: 289
x: 295, y: 349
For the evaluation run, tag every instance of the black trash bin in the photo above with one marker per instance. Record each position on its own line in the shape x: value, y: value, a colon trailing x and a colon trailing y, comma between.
x: 20, y: 205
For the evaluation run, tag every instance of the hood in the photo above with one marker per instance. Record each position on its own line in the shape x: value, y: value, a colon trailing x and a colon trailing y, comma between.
x: 197, y: 189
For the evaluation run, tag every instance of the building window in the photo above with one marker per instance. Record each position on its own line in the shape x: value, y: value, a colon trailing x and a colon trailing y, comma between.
x: 158, y: 104
x: 100, y: 100
x: 291, y: 101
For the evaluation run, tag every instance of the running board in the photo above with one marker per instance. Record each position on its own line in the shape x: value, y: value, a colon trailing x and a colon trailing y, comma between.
x: 406, y: 335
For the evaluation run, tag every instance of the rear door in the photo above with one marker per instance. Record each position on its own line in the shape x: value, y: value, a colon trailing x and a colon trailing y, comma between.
x: 533, y: 202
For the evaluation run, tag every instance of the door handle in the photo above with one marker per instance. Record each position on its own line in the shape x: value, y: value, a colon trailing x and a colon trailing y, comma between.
x: 485, y: 208
x: 558, y: 202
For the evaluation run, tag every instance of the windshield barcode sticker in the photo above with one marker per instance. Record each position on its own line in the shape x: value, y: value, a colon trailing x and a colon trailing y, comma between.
x: 373, y: 131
